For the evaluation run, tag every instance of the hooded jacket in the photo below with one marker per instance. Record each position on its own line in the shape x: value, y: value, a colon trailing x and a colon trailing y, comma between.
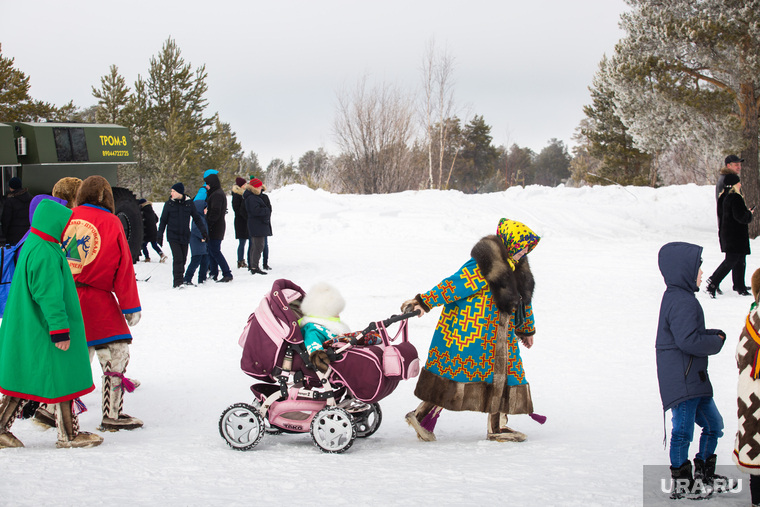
x: 43, y: 302
x: 683, y: 343
x: 258, y: 213
x: 150, y: 222
x: 217, y: 208
x: 197, y: 245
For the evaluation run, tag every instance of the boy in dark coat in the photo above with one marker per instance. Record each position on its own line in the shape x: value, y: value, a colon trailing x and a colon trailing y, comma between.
x: 682, y: 347
x: 217, y: 209
x: 198, y: 248
x: 150, y: 230
x: 175, y: 219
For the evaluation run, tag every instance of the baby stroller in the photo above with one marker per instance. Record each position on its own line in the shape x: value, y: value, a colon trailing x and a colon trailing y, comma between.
x: 292, y: 396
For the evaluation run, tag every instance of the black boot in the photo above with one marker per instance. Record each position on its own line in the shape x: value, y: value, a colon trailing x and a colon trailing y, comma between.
x: 682, y: 481
x: 711, y: 288
x: 705, y: 471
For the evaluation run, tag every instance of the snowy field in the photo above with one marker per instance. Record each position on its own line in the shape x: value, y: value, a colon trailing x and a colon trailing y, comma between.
x: 591, y: 370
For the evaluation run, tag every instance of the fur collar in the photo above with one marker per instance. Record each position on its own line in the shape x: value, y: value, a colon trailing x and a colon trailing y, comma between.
x: 508, y: 287
x: 238, y: 190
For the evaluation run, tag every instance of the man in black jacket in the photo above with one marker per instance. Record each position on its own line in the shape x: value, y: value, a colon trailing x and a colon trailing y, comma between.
x: 175, y: 219
x: 217, y: 209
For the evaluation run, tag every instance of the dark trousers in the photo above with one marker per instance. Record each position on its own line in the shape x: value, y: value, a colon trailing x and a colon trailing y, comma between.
x: 241, y: 248
x: 155, y: 247
x: 736, y: 264
x: 199, y: 262
x: 215, y: 254
x: 266, y: 251
x: 179, y: 257
x: 254, y: 254
x: 754, y: 488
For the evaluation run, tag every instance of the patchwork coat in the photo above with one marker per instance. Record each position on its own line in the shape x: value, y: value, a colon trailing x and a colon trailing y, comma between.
x: 474, y: 359
x: 43, y: 303
x: 747, y: 444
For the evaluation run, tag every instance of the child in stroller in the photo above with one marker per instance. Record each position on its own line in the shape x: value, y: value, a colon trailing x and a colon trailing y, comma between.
x: 335, y: 405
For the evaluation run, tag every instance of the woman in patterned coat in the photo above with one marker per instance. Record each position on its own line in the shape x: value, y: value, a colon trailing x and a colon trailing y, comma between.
x: 747, y: 444
x: 474, y: 359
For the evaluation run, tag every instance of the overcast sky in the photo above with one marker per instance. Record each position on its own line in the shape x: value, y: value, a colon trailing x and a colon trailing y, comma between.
x: 275, y: 67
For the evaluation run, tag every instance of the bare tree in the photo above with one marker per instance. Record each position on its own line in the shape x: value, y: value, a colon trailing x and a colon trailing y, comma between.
x: 439, y: 107
x: 373, y: 128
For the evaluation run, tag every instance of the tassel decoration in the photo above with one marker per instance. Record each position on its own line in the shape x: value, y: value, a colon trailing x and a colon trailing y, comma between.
x: 540, y: 419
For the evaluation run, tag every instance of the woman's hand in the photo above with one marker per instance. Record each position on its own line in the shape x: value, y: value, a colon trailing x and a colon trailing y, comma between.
x: 527, y: 341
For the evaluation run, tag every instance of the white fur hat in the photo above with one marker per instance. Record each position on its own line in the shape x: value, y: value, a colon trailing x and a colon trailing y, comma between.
x: 323, y: 300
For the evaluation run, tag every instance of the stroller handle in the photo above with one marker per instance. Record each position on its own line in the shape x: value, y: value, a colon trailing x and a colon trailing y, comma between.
x: 393, y: 319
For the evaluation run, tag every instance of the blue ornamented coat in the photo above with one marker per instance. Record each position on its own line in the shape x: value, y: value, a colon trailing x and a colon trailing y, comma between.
x: 474, y: 359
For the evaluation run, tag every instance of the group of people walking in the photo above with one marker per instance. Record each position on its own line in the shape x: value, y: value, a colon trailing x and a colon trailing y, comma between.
x: 199, y: 225
x: 73, y: 296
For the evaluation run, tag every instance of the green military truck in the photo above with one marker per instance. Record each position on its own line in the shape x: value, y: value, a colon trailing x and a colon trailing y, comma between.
x: 40, y: 154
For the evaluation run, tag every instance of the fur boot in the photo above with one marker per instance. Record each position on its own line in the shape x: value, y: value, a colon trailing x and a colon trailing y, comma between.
x: 113, y: 360
x: 423, y: 420
x: 69, y: 435
x: 45, y: 416
x: 498, y: 431
x: 10, y: 408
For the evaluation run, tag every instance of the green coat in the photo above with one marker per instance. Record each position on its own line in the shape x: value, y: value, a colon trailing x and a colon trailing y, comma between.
x: 43, y: 301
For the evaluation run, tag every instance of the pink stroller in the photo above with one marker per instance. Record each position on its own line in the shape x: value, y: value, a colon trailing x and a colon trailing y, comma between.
x: 337, y: 406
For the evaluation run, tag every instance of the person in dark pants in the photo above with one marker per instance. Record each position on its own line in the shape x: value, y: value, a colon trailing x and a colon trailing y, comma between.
x: 733, y: 229
x: 217, y: 209
x: 268, y: 204
x: 16, y: 212
x: 259, y: 226
x: 150, y: 226
x: 241, y: 222
x: 198, y: 248
x: 175, y: 220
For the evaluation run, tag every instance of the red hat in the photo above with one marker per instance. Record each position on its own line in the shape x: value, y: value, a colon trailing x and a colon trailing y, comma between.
x: 256, y: 183
x: 239, y: 181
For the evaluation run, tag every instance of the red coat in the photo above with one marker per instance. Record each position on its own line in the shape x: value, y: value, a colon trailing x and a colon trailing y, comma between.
x: 101, y: 262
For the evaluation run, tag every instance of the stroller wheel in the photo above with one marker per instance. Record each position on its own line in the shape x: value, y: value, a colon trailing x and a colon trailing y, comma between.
x: 368, y: 421
x: 333, y: 430
x: 241, y: 426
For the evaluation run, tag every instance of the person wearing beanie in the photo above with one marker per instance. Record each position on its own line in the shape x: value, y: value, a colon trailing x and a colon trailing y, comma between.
x: 734, y: 218
x: 15, y: 217
x: 43, y: 347
x: 259, y: 224
x: 732, y: 165
x: 321, y: 308
x: 150, y: 231
x: 175, y: 220
x: 241, y: 222
x: 101, y: 262
x: 215, y: 217
x: 474, y: 358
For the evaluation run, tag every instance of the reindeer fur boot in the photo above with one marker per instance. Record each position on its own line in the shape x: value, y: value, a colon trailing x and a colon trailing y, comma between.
x: 113, y: 359
x: 10, y: 408
x: 423, y: 420
x: 498, y: 431
x: 69, y: 435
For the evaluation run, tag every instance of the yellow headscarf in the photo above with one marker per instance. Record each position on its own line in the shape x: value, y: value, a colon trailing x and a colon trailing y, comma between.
x: 516, y: 236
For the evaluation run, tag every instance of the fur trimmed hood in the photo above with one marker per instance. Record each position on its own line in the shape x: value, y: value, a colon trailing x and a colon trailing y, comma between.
x: 97, y: 191
x: 509, y: 287
x: 237, y: 189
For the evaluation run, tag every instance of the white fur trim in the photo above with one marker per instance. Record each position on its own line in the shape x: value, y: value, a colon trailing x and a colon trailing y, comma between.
x: 323, y: 300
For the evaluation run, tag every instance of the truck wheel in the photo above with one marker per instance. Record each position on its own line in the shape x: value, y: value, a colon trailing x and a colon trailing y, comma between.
x: 128, y: 211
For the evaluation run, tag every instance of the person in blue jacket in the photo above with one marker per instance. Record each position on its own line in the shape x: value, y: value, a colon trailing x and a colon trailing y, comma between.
x: 198, y: 247
x: 682, y: 347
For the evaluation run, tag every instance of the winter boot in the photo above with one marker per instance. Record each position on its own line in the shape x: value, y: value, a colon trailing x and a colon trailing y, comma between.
x: 113, y: 418
x: 114, y: 359
x: 684, y: 485
x: 705, y: 471
x: 257, y: 271
x: 147, y: 259
x: 10, y: 408
x: 423, y: 420
x: 242, y: 264
x: 163, y: 258
x: 45, y: 416
x: 711, y: 288
x: 69, y: 435
x: 266, y: 266
x: 498, y: 431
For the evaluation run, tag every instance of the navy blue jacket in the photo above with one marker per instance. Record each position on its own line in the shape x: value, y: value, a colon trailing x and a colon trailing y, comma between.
x: 683, y: 343
x: 197, y: 245
x: 258, y: 215
x: 175, y: 219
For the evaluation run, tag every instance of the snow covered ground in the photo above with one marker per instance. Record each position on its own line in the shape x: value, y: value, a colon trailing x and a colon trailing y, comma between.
x: 591, y: 370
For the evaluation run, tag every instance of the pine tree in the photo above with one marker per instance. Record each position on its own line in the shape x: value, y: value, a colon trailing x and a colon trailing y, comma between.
x: 691, y: 69
x: 15, y: 102
x: 113, y: 97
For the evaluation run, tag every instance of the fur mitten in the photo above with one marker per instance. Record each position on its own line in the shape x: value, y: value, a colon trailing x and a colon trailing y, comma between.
x: 320, y: 360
